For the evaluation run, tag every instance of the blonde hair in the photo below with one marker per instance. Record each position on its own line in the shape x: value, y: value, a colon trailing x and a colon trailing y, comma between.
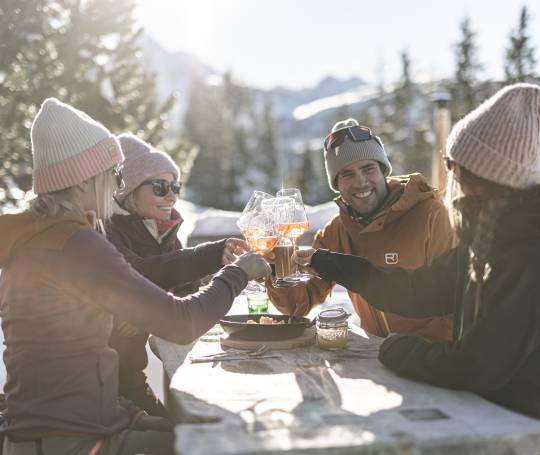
x: 56, y: 203
x: 452, y: 193
x: 68, y: 200
x: 105, y: 186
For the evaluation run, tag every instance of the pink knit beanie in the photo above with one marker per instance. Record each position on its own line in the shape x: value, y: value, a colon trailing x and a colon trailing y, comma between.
x: 142, y: 163
x: 500, y: 140
x: 69, y: 147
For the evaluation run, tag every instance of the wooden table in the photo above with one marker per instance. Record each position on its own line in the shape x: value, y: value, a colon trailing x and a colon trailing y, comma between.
x: 312, y: 401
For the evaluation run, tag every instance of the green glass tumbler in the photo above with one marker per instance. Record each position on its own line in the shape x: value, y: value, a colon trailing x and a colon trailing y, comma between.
x: 257, y: 303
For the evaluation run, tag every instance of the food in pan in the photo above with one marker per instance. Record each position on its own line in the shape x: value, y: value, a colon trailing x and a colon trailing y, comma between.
x: 265, y: 320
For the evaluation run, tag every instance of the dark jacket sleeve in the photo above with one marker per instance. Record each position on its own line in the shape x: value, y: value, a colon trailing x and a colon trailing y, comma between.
x: 175, y: 268
x: 492, y: 349
x: 424, y: 292
x: 93, y: 270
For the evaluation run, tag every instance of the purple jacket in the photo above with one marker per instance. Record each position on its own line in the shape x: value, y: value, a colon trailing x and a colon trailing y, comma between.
x: 60, y: 285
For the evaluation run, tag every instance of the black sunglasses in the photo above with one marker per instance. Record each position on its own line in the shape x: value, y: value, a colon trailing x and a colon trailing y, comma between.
x: 161, y: 187
x: 354, y: 133
x: 449, y: 163
x: 117, y: 172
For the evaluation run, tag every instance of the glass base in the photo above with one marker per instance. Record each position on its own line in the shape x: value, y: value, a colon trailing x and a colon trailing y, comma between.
x: 281, y: 283
x: 253, y: 287
x: 298, y: 278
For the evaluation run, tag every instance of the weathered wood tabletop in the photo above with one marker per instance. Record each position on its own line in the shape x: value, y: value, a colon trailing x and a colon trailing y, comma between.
x: 312, y: 401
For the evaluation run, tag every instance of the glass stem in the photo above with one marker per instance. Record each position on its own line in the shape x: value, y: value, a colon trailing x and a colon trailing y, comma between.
x: 296, y: 266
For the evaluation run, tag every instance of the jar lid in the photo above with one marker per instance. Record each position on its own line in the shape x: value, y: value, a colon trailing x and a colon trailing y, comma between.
x: 333, y: 315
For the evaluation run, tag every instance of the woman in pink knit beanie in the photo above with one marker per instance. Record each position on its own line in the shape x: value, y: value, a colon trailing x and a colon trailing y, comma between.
x: 144, y: 229
x: 490, y: 281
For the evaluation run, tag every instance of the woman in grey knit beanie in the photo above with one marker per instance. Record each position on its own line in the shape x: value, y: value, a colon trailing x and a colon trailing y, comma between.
x: 62, y: 284
x: 490, y: 281
x: 144, y: 229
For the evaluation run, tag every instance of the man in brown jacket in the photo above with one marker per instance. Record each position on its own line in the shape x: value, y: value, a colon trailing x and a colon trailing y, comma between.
x: 393, y: 221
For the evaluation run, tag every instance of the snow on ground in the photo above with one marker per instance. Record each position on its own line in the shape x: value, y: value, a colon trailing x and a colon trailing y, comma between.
x: 207, y: 222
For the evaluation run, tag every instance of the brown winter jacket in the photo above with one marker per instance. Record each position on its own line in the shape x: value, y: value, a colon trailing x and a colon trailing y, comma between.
x: 407, y: 233
x: 60, y: 285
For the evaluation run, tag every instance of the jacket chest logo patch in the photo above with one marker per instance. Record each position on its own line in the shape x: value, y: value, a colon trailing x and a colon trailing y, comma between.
x: 391, y: 258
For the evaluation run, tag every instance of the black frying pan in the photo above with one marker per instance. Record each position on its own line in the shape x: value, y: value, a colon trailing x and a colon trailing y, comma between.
x: 237, y: 327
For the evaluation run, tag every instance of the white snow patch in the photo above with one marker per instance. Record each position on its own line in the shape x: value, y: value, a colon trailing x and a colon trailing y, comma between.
x: 208, y: 222
x: 331, y: 102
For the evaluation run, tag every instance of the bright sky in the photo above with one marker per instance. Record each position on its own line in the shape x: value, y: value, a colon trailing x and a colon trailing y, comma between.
x: 295, y: 43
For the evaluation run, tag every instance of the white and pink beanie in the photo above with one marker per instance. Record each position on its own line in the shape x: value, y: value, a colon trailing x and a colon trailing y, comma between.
x: 69, y: 147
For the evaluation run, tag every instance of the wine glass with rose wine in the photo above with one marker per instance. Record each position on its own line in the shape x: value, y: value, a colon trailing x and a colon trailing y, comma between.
x: 257, y: 227
x: 291, y: 222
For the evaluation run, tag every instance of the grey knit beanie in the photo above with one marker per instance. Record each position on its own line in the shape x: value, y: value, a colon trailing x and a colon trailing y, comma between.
x: 339, y: 157
x: 500, y: 140
x: 69, y: 147
x: 142, y: 162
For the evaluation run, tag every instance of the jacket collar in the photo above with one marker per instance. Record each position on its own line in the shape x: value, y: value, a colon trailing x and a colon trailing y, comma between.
x: 404, y: 192
x: 145, y: 231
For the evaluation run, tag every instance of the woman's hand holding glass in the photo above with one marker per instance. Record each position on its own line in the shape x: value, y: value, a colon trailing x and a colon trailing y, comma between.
x: 232, y: 249
x: 254, y: 265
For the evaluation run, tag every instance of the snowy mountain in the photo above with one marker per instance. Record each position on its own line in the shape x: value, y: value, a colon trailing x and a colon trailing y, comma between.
x: 174, y: 73
x: 302, y: 114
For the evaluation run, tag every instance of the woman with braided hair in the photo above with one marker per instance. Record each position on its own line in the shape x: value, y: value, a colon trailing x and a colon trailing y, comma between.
x: 490, y: 281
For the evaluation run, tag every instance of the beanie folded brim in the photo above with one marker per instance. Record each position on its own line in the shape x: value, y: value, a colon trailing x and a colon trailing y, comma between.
x: 143, y: 162
x: 498, y: 169
x: 499, y: 141
x: 350, y: 152
x: 78, y: 168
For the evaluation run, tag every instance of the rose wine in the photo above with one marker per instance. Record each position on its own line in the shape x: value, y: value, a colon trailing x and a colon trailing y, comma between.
x: 292, y: 230
x: 262, y: 244
x: 253, y: 232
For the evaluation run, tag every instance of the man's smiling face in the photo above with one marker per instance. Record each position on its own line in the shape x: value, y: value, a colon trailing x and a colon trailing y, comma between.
x: 362, y: 185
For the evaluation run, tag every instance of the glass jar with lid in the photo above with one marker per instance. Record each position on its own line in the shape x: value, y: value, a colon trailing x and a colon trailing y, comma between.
x: 332, y: 329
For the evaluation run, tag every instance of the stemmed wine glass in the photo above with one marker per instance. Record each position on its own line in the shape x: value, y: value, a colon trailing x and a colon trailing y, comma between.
x: 280, y: 209
x: 257, y: 227
x: 291, y: 222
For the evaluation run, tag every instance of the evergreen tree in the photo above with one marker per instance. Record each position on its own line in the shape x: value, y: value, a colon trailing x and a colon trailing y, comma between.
x: 404, y: 93
x: 520, y: 62
x: 310, y: 177
x: 84, y: 53
x: 343, y: 113
x: 221, y: 121
x: 267, y: 160
x: 406, y: 82
x: 205, y: 125
x: 465, y: 87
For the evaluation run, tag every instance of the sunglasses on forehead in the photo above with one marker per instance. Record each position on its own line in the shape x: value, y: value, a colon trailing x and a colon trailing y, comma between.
x: 354, y: 133
x: 161, y: 187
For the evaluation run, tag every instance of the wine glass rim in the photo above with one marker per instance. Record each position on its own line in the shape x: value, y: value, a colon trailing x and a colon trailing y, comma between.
x: 278, y: 199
